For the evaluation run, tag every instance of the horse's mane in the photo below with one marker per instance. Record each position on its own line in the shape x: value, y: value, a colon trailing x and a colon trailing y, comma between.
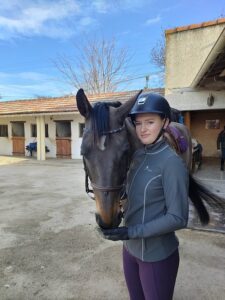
x: 100, y: 117
x: 175, y: 115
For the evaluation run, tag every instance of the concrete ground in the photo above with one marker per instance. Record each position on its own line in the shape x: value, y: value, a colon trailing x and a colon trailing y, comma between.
x: 50, y: 249
x: 210, y: 171
x: 214, y: 179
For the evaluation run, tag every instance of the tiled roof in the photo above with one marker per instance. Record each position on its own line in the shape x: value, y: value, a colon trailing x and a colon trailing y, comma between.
x: 60, y: 104
x: 196, y: 26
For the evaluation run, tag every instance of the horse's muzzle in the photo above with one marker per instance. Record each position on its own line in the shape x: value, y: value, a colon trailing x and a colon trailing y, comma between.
x: 113, y: 224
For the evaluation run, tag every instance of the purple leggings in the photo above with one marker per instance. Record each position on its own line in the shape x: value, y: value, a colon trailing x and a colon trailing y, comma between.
x: 150, y: 280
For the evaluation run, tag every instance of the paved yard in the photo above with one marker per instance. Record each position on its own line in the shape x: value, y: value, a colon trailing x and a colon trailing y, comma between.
x: 50, y: 250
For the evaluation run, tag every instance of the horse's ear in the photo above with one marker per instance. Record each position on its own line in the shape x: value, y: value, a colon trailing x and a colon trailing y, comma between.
x: 83, y: 104
x: 125, y: 108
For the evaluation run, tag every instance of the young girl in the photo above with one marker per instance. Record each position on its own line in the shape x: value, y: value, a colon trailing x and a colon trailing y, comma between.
x: 157, y: 193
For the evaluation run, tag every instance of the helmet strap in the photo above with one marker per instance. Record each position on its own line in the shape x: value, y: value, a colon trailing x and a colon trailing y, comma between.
x: 160, y: 132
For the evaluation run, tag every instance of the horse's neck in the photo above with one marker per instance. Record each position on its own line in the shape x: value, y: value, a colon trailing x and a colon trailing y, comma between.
x: 135, y: 143
x: 187, y: 155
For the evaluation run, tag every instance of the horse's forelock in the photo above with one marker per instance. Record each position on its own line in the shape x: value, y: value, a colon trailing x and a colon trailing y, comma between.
x: 100, y: 119
x: 114, y: 104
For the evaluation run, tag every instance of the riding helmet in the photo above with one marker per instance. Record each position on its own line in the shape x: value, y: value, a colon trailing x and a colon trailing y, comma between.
x: 151, y: 103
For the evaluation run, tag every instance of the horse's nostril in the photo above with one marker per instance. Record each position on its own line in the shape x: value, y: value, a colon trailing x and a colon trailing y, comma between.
x: 100, y: 222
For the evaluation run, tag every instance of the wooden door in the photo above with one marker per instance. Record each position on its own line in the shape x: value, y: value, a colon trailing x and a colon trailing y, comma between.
x: 63, y: 139
x: 63, y: 147
x: 18, y: 145
x: 18, y: 139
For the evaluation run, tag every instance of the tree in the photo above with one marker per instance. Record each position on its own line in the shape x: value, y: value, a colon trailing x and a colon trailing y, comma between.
x: 158, y: 58
x: 158, y: 53
x: 98, y: 67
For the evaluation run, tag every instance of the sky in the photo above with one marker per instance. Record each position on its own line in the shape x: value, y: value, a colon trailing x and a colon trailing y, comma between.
x: 35, y: 33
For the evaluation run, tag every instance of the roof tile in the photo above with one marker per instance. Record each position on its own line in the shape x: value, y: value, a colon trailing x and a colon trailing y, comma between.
x: 195, y: 26
x: 60, y: 104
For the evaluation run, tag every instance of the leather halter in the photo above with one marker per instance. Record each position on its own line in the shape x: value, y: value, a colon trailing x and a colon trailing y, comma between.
x: 105, y: 189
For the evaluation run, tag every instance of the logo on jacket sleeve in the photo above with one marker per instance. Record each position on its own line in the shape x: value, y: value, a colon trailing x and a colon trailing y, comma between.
x: 147, y: 169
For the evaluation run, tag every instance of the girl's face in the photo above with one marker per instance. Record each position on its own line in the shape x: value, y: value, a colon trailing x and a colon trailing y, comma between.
x: 148, y: 127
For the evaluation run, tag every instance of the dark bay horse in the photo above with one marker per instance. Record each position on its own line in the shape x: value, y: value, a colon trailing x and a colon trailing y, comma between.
x: 108, y: 143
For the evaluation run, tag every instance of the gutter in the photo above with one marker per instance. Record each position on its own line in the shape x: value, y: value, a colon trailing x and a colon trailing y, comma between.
x: 29, y: 114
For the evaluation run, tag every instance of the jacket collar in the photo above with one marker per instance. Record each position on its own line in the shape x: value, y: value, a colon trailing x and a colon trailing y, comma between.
x: 155, y: 148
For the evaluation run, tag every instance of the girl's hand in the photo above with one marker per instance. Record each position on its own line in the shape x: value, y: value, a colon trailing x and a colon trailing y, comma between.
x: 115, y: 234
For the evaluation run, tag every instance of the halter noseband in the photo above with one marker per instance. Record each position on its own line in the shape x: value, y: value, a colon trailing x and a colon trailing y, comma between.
x: 114, y: 130
x: 105, y: 189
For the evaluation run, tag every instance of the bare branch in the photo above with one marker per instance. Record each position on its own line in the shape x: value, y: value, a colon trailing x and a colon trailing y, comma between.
x: 98, y: 66
x: 157, y: 54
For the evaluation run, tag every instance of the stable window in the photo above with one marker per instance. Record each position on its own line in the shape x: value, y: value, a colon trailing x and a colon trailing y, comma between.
x: 46, y: 130
x: 81, y: 129
x: 63, y: 129
x: 34, y: 130
x: 18, y: 129
x: 3, y: 130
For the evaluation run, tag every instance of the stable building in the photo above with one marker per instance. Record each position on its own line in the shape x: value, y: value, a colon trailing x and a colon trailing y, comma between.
x: 51, y: 123
x: 195, y: 79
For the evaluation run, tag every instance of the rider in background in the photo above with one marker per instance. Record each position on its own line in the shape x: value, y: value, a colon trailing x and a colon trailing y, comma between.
x: 221, y: 147
x: 157, y: 206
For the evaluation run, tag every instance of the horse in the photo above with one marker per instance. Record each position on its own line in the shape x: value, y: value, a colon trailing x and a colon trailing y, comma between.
x: 109, y: 141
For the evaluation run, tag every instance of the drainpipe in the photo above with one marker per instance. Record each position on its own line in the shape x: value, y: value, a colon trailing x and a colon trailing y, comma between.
x: 40, y: 137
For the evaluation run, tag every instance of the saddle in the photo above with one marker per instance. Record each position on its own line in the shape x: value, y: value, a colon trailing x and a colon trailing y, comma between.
x: 176, y: 139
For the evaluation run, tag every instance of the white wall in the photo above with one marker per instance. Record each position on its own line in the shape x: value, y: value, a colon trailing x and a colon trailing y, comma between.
x: 76, y: 140
x: 5, y: 142
x: 50, y: 141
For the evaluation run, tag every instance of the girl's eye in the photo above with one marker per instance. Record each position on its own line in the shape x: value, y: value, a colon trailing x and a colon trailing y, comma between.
x: 144, y: 124
x: 137, y: 123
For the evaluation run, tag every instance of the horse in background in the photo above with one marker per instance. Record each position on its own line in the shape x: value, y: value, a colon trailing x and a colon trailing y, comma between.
x: 108, y: 143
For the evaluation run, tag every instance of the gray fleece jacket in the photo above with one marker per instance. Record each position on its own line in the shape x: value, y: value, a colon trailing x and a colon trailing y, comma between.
x: 157, y: 190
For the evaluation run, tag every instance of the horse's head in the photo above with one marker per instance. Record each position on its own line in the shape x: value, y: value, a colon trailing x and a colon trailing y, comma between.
x: 105, y: 149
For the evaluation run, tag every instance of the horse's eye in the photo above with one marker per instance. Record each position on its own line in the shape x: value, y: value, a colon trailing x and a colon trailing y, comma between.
x: 126, y: 148
x: 84, y: 150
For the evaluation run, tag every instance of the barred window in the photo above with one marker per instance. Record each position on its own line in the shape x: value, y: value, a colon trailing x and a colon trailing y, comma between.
x: 34, y: 130
x: 81, y: 129
x: 63, y: 129
x: 3, y: 130
x: 46, y: 130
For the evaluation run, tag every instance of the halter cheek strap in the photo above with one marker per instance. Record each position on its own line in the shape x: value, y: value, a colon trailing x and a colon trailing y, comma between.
x: 105, y: 189
x: 89, y: 191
